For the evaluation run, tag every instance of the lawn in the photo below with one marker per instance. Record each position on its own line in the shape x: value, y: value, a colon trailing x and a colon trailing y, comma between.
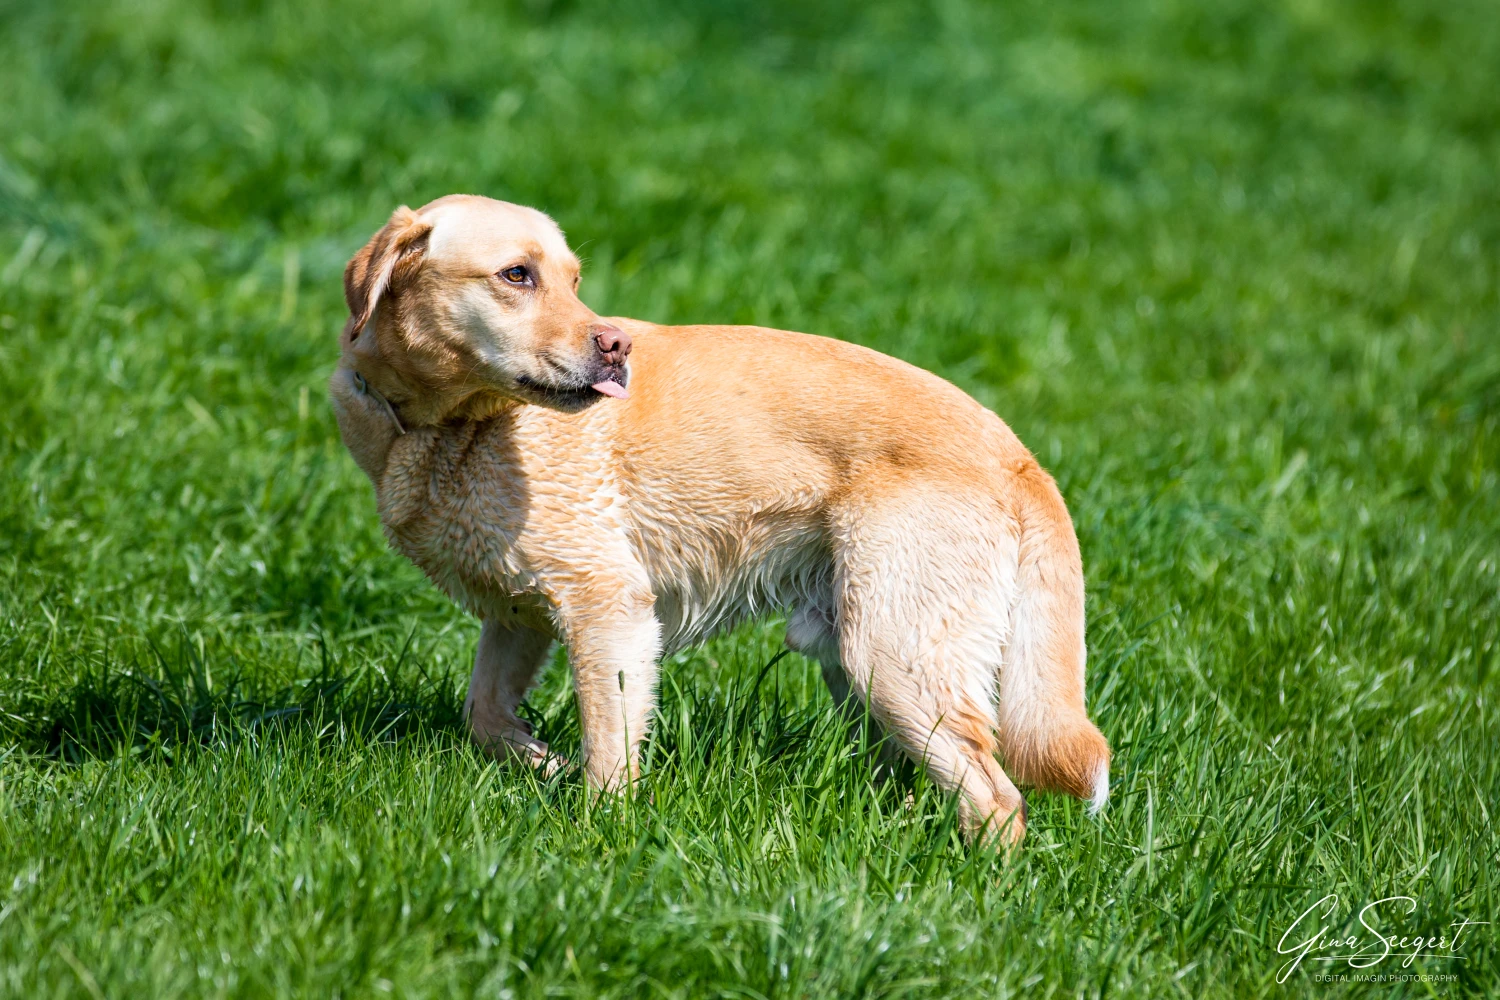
x: 1229, y: 269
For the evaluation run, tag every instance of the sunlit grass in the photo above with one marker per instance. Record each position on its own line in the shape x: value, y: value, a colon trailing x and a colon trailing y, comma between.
x: 1230, y: 270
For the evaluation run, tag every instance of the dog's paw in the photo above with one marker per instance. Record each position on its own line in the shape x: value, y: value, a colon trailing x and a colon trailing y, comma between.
x: 517, y: 746
x: 545, y: 761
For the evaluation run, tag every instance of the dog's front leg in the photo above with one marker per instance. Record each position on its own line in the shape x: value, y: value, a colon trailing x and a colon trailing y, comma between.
x: 613, y: 650
x: 505, y: 665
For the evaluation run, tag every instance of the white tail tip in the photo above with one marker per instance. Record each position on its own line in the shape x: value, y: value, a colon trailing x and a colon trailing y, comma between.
x: 1100, y: 798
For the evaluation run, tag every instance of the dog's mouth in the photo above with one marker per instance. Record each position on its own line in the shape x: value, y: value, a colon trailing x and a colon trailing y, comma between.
x: 611, y: 382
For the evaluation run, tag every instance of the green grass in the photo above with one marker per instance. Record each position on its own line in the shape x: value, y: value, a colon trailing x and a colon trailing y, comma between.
x: 1229, y: 269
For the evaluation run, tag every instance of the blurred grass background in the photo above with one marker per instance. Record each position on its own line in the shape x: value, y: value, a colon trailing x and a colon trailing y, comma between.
x: 1228, y: 268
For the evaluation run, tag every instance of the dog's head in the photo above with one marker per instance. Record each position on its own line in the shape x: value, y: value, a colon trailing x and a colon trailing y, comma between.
x: 470, y: 298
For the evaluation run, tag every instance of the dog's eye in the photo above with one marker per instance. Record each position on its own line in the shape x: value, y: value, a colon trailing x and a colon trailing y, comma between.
x: 517, y: 275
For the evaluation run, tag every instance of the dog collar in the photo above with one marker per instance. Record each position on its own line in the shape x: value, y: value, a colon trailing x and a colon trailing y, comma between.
x: 365, y: 389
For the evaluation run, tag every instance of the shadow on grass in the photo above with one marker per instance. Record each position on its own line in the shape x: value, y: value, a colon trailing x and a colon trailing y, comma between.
x: 114, y: 708
x: 168, y: 704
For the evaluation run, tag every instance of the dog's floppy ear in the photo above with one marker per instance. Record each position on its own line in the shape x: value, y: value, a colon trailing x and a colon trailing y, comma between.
x: 390, y: 255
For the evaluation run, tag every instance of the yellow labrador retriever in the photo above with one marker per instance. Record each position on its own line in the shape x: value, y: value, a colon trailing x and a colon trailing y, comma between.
x: 629, y: 489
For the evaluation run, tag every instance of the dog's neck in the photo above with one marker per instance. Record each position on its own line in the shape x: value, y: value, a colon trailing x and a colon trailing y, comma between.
x: 432, y: 409
x: 363, y: 387
x: 480, y: 405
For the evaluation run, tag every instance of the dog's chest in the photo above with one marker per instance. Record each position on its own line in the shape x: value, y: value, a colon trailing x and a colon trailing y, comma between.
x: 455, y: 501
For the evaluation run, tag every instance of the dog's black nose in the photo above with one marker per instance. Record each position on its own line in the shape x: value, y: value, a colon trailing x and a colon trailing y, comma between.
x: 614, y: 344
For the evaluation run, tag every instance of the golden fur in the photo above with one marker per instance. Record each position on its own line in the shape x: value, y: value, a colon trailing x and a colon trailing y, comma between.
x: 919, y: 551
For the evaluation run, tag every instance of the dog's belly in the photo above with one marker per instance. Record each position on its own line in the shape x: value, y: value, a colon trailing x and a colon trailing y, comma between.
x: 705, y: 581
x: 711, y: 573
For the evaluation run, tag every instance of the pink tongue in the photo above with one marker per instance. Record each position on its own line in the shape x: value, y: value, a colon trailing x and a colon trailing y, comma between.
x: 614, y: 389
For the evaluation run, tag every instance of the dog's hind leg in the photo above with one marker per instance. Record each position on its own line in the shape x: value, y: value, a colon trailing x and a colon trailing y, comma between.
x: 505, y: 665
x: 811, y: 631
x: 923, y: 585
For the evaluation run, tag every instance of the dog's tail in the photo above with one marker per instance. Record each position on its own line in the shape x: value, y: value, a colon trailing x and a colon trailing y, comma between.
x: 1046, y: 736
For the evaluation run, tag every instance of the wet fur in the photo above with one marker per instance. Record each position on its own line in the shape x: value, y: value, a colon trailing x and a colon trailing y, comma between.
x: 919, y: 551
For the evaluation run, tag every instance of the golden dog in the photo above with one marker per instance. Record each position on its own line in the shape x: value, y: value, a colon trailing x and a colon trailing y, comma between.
x: 630, y: 489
